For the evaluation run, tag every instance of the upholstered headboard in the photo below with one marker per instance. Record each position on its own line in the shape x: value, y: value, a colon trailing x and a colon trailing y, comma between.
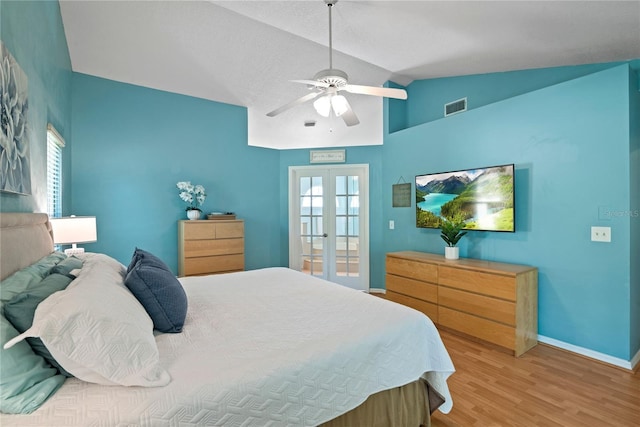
x: 24, y: 239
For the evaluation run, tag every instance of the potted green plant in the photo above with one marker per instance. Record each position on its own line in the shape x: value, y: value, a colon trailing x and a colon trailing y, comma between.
x: 451, y: 231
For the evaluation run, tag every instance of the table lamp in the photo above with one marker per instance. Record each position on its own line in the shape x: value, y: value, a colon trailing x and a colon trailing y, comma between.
x: 72, y: 230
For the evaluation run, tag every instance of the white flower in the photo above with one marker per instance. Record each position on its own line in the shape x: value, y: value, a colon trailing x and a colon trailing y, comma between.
x: 14, y: 161
x: 186, y: 197
x: 194, y: 195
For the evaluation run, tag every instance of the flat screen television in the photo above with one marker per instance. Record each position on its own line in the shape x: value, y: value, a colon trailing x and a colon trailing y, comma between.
x: 482, y: 197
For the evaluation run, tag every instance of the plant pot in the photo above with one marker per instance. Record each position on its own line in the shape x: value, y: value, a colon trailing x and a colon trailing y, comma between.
x: 451, y: 252
x: 193, y: 214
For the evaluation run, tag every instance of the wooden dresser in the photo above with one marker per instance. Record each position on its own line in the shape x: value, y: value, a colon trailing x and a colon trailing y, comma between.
x: 210, y: 246
x: 490, y: 301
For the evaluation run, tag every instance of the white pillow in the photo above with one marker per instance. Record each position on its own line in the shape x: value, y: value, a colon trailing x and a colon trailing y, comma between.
x: 97, y: 330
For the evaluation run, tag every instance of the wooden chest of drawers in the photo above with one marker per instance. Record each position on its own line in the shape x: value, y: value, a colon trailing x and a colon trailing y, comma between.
x: 210, y: 246
x: 494, y: 302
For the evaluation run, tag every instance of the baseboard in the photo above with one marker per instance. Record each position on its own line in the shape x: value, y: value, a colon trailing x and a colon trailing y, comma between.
x: 635, y: 361
x: 625, y: 364
x: 377, y: 291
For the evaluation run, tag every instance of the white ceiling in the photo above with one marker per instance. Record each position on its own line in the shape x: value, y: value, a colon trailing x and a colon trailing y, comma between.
x: 245, y: 52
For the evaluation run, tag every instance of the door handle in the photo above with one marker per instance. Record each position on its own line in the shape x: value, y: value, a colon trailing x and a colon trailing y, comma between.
x: 325, y: 235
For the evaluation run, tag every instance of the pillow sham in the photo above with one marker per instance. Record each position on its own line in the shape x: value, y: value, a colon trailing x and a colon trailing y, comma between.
x: 26, y: 381
x: 20, y: 310
x: 97, y: 330
x: 159, y: 292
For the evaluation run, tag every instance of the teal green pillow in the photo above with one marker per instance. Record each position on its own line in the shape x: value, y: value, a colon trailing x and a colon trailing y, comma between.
x: 20, y: 311
x: 66, y: 266
x: 26, y: 381
x: 28, y: 277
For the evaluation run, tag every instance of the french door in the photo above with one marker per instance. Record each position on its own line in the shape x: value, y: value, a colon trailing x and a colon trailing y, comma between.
x: 329, y: 223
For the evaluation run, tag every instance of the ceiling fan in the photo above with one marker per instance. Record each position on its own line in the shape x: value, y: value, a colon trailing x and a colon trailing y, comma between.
x: 328, y: 83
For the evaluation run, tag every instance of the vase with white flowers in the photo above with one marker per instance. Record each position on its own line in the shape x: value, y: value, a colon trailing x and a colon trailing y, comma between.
x: 194, y: 195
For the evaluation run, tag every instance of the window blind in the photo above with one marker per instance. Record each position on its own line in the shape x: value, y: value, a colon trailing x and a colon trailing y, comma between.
x: 55, y: 143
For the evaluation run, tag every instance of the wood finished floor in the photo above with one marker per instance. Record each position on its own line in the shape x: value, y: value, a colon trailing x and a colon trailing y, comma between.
x: 544, y: 387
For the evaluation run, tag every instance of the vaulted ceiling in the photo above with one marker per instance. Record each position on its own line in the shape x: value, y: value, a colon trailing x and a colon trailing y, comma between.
x: 246, y: 52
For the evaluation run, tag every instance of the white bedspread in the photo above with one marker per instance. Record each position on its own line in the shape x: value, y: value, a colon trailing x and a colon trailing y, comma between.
x: 263, y: 348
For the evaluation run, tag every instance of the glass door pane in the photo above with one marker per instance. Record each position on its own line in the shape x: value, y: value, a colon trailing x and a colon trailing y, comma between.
x: 347, y: 226
x: 329, y: 224
x: 311, y: 225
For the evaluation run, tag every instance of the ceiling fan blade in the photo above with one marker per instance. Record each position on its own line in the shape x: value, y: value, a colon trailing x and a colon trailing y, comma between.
x: 312, y: 83
x: 292, y: 104
x: 387, y: 92
x: 349, y: 117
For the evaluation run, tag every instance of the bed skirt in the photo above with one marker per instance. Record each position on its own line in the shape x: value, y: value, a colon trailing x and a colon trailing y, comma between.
x: 406, y: 406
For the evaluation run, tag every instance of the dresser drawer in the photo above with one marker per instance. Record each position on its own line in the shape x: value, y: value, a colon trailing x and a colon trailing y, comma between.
x: 412, y: 269
x: 494, y: 285
x: 414, y: 288
x: 201, y: 248
x: 482, y: 306
x: 229, y: 230
x: 213, y: 264
x: 430, y: 309
x: 474, y: 326
x: 213, y: 229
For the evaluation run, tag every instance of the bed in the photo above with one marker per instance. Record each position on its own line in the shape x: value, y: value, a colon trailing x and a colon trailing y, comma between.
x: 267, y: 347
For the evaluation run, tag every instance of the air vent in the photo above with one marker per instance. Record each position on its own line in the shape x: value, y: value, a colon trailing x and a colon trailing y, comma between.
x: 455, y: 107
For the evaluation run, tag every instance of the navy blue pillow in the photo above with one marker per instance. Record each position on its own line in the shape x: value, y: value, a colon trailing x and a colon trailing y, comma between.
x: 149, y: 258
x: 159, y: 292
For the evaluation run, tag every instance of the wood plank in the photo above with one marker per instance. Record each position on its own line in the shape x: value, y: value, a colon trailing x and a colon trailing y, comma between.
x: 545, y: 387
x: 413, y: 288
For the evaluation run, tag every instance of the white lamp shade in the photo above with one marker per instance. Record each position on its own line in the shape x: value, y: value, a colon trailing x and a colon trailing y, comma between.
x: 74, y: 229
x: 323, y: 106
x: 339, y: 104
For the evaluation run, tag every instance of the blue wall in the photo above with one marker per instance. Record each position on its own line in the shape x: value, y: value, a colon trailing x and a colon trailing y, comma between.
x: 570, y: 145
x: 575, y: 143
x: 134, y: 144
x: 634, y: 208
x: 33, y: 33
x: 427, y: 97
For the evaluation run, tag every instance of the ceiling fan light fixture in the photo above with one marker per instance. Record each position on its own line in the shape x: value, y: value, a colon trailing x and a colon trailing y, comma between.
x: 323, y: 105
x: 329, y: 82
x: 340, y: 105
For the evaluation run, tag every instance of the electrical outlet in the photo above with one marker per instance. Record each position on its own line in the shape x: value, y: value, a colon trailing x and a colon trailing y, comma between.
x: 392, y: 224
x: 601, y: 234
